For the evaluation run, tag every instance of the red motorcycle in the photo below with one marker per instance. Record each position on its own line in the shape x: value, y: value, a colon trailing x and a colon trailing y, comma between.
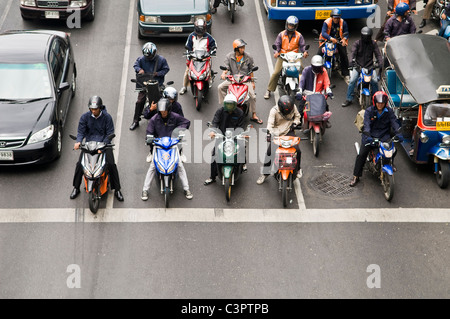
x: 316, y: 116
x: 200, y: 73
x: 239, y: 88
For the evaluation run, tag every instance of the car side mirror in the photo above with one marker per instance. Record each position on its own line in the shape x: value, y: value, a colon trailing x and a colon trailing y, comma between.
x: 64, y: 86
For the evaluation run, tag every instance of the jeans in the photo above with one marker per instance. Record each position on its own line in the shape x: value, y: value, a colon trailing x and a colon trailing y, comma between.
x: 445, y: 24
x: 354, y: 76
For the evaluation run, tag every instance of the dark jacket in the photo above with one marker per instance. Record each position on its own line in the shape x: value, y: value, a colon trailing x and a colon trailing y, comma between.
x: 223, y: 120
x: 394, y: 27
x: 162, y: 67
x: 379, y: 126
x: 363, y: 53
x: 95, y: 129
x: 176, y: 107
x: 160, y: 128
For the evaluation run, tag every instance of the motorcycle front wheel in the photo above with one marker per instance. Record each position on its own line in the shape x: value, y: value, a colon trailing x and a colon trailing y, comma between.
x: 198, y: 99
x: 366, y: 102
x: 388, y: 186
x: 232, y: 10
x: 443, y: 174
x: 227, y: 189
x: 166, y: 196
x: 94, y: 199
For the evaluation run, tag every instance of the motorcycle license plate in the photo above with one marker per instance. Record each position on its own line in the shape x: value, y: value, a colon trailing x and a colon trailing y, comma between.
x: 175, y: 29
x: 51, y: 14
x: 288, y: 160
x: 322, y: 14
x: 443, y: 126
x: 6, y: 156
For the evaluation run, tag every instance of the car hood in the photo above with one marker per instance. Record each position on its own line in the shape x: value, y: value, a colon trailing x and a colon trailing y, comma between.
x: 19, y: 120
x: 174, y: 7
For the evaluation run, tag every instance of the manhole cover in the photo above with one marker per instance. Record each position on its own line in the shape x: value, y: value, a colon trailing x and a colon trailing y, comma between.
x: 333, y: 184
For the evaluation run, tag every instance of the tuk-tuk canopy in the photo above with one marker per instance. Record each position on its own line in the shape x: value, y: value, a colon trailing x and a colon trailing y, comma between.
x: 422, y: 63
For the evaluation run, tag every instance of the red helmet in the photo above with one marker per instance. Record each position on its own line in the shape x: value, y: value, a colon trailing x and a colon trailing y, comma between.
x: 380, y: 97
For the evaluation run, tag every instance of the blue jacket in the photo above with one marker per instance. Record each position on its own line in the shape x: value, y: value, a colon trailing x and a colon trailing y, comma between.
x: 95, y: 129
x: 162, y: 68
x: 379, y: 126
x: 160, y: 128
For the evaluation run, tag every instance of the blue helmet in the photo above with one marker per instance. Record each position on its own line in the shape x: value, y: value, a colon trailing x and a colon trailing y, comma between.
x: 291, y: 23
x: 336, y: 12
x: 401, y: 8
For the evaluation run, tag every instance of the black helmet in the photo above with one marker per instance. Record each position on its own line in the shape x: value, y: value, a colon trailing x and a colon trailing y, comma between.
x: 164, y: 105
x: 366, y: 34
x: 95, y: 102
x: 317, y: 64
x: 285, y: 104
x: 200, y: 27
x: 149, y: 50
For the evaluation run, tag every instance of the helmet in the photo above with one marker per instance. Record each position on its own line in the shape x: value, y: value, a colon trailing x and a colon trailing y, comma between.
x: 149, y: 50
x: 335, y: 13
x: 238, y: 43
x: 285, y: 104
x: 170, y: 93
x: 380, y: 97
x: 291, y: 23
x: 366, y: 34
x: 164, y: 105
x: 401, y: 8
x: 95, y: 102
x: 200, y: 27
x: 229, y: 103
x: 317, y: 64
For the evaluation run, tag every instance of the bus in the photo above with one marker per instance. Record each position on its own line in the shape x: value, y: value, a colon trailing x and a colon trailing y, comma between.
x: 318, y: 9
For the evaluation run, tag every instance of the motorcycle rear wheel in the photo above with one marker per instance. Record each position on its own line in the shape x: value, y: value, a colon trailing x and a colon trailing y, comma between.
x: 284, y: 191
x: 94, y: 200
x: 388, y: 186
x: 443, y: 174
x: 315, y: 139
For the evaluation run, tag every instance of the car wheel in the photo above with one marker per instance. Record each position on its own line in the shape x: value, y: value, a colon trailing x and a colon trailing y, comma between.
x: 91, y: 15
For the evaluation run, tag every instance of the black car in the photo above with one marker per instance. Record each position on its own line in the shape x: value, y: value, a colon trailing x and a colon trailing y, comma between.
x: 57, y: 9
x: 37, y: 84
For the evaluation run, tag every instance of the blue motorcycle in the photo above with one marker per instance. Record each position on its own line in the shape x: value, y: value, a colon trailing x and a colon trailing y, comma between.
x: 379, y: 163
x: 166, y: 156
x: 364, y: 87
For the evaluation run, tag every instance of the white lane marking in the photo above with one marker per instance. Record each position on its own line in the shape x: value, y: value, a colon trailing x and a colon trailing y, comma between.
x: 5, y: 13
x: 265, y: 42
x: 133, y: 215
x: 122, y: 92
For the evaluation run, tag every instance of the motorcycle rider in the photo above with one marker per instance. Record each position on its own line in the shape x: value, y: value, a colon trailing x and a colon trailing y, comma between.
x: 197, y: 40
x: 151, y: 63
x: 335, y: 29
x: 161, y: 125
x: 362, y: 54
x: 217, y: 3
x: 392, y: 4
x: 287, y: 40
x: 228, y: 117
x: 400, y: 23
x: 237, y: 62
x: 444, y: 21
x: 96, y: 125
x: 379, y: 119
x: 282, y: 118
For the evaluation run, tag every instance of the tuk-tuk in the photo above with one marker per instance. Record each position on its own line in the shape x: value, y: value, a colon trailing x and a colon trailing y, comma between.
x: 417, y: 82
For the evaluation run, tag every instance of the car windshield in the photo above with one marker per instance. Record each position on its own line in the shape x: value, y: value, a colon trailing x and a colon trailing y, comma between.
x: 24, y: 81
x: 436, y: 112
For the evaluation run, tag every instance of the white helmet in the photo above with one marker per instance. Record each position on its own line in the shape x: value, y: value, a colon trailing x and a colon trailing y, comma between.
x: 229, y: 103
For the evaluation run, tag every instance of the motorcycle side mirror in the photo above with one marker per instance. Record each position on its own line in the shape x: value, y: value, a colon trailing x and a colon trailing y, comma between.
x: 315, y: 31
x: 274, y: 46
x: 255, y: 68
x: 73, y: 137
x: 133, y: 80
x: 420, y: 31
x: 111, y: 136
x: 307, y: 47
x: 170, y: 83
x: 223, y: 67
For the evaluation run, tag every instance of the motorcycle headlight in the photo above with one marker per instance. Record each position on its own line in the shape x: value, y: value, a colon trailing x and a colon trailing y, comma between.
x: 228, y: 148
x: 42, y: 135
x: 193, y: 76
x: 330, y: 52
x: 423, y: 137
x: 388, y: 153
x: 367, y: 78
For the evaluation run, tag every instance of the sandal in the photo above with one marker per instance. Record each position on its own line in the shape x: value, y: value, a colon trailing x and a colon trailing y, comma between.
x: 209, y: 181
x: 256, y: 120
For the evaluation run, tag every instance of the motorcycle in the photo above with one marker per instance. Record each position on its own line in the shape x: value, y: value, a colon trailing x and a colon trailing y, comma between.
x: 437, y: 9
x: 230, y: 157
x: 166, y: 158
x: 379, y: 163
x: 364, y: 88
x: 291, y: 71
x: 285, y: 163
x: 200, y: 74
x: 96, y: 177
x: 239, y: 88
x: 231, y: 5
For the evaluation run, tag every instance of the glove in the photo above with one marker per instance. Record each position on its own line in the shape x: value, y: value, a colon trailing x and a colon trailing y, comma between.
x: 369, y: 139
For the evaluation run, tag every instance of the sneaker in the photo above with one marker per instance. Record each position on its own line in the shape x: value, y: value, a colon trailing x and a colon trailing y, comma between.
x: 188, y: 194
x: 299, y: 174
x: 347, y: 79
x: 209, y: 181
x: 267, y: 94
x: 244, y: 168
x: 347, y: 103
x: 149, y: 157
x: 261, y: 179
x: 183, y: 158
x: 423, y: 23
x: 144, y: 195
x: 183, y: 90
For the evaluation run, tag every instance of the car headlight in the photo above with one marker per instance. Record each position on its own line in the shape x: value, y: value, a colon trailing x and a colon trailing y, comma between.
x: 201, y: 16
x: 446, y: 139
x: 42, y: 135
x: 228, y: 149
x: 367, y: 1
x: 78, y: 4
x: 423, y: 137
x: 358, y: 1
x: 149, y: 19
x: 28, y: 3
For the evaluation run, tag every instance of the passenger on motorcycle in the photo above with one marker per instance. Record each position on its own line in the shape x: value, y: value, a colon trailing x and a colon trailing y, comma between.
x: 379, y: 120
x: 444, y: 21
x: 237, y: 62
x: 400, y: 23
x: 287, y: 40
x: 314, y: 80
x: 363, y: 51
x: 335, y: 29
x: 217, y: 3
x: 227, y: 117
x: 161, y: 125
x: 96, y: 125
x: 197, y: 40
x: 153, y: 64
x: 282, y: 118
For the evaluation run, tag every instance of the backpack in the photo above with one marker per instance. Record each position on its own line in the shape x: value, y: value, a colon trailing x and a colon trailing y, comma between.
x: 359, y: 120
